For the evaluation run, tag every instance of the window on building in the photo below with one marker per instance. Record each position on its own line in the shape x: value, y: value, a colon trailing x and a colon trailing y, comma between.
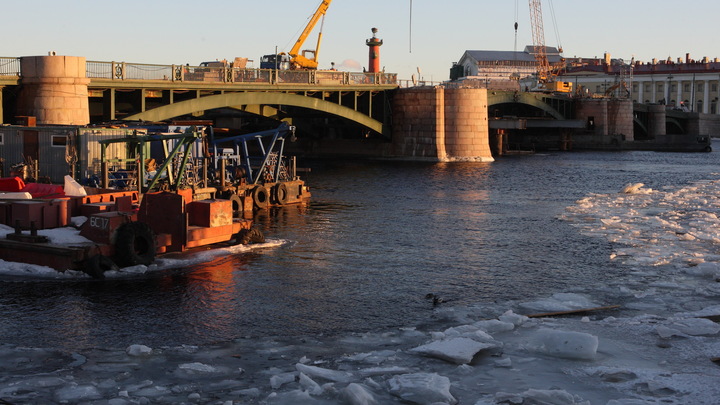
x: 2, y: 139
x: 686, y: 87
x: 673, y: 87
x: 714, y: 87
x: 701, y: 87
x: 647, y: 87
x: 59, y: 141
x: 660, y: 87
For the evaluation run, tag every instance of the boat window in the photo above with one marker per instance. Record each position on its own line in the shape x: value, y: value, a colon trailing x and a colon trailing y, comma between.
x: 59, y: 140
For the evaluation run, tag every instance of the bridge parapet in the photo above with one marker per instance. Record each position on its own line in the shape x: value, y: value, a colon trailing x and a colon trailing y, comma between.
x: 10, y: 66
x: 229, y: 74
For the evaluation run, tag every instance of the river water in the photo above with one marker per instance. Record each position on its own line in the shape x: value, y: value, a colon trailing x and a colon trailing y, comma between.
x: 375, y: 239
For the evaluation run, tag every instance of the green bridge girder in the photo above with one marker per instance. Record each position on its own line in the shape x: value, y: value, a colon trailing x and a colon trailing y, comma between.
x: 235, y: 99
x: 537, y: 100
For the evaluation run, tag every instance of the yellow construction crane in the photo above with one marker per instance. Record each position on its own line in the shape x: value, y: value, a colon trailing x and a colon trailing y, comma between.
x: 295, y: 59
x: 546, y: 74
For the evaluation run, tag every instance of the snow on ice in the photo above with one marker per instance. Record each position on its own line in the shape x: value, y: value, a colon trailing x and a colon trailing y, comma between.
x: 658, y: 347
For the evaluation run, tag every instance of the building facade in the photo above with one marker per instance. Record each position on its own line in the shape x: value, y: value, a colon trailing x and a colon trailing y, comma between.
x: 683, y: 84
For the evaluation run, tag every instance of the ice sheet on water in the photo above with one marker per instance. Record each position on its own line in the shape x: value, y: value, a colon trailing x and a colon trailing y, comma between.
x: 688, y: 326
x: 681, y: 222
x: 326, y: 374
x: 422, y: 388
x: 75, y: 393
x: 455, y: 350
x: 569, y: 345
x: 636, y: 188
x: 359, y: 394
x: 536, y: 396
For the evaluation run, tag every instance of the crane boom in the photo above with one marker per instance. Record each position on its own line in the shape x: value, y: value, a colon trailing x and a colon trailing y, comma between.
x: 538, y: 36
x: 545, y: 73
x: 299, y: 60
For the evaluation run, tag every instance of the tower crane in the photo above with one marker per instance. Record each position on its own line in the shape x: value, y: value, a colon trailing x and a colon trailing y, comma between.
x: 295, y: 59
x: 546, y: 74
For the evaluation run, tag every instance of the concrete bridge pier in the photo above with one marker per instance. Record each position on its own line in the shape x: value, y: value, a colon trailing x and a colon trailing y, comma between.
x: 656, y: 121
x: 434, y: 123
x: 606, y: 122
x: 54, y: 90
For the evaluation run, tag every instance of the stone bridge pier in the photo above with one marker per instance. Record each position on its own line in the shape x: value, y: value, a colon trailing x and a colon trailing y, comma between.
x: 441, y: 124
x: 54, y: 90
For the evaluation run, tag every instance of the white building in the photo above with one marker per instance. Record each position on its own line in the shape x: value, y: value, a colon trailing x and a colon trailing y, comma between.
x: 683, y: 84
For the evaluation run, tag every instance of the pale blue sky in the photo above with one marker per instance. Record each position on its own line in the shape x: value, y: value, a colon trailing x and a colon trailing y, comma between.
x: 179, y: 31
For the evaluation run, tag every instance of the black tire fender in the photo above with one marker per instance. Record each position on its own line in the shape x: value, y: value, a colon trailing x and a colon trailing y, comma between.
x: 97, y: 265
x: 281, y: 194
x: 248, y: 236
x: 134, y: 244
x: 237, y: 205
x: 261, y: 197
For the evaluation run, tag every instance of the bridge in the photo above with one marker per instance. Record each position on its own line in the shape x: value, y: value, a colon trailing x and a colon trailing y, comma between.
x: 344, y: 112
x: 149, y: 92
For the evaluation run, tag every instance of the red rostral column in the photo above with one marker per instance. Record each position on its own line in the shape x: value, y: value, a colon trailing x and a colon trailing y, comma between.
x: 374, y: 44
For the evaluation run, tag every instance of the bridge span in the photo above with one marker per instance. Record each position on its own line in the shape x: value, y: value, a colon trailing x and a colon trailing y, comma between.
x: 342, y: 112
x: 132, y: 91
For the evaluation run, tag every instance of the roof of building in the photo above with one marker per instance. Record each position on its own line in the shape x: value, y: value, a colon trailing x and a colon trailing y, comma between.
x: 527, y: 55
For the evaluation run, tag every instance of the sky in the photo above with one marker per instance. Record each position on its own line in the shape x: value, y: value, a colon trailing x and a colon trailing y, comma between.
x: 424, y: 39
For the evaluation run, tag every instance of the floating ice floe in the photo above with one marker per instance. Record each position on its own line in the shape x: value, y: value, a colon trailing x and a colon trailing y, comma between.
x: 569, y: 345
x: 422, y: 388
x: 138, y: 350
x: 689, y: 326
x: 635, y: 188
x: 455, y: 350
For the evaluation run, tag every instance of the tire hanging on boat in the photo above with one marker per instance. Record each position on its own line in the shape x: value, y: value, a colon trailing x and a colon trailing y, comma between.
x: 281, y: 194
x: 237, y: 205
x: 134, y: 244
x: 261, y: 197
x: 97, y: 265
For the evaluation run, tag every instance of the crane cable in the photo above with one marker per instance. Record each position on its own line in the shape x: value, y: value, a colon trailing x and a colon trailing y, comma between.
x: 516, y: 24
x: 555, y: 26
x: 293, y: 39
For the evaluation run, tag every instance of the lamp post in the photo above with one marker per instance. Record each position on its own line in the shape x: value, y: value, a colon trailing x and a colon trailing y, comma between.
x: 667, y: 90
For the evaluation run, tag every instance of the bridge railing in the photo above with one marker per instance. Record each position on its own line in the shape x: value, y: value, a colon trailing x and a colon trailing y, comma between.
x: 228, y: 74
x: 9, y: 66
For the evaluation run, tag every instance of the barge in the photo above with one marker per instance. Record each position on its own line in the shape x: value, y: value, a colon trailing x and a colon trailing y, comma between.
x: 170, y: 209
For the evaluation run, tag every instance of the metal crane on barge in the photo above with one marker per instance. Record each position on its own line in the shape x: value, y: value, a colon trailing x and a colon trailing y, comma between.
x: 164, y: 211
